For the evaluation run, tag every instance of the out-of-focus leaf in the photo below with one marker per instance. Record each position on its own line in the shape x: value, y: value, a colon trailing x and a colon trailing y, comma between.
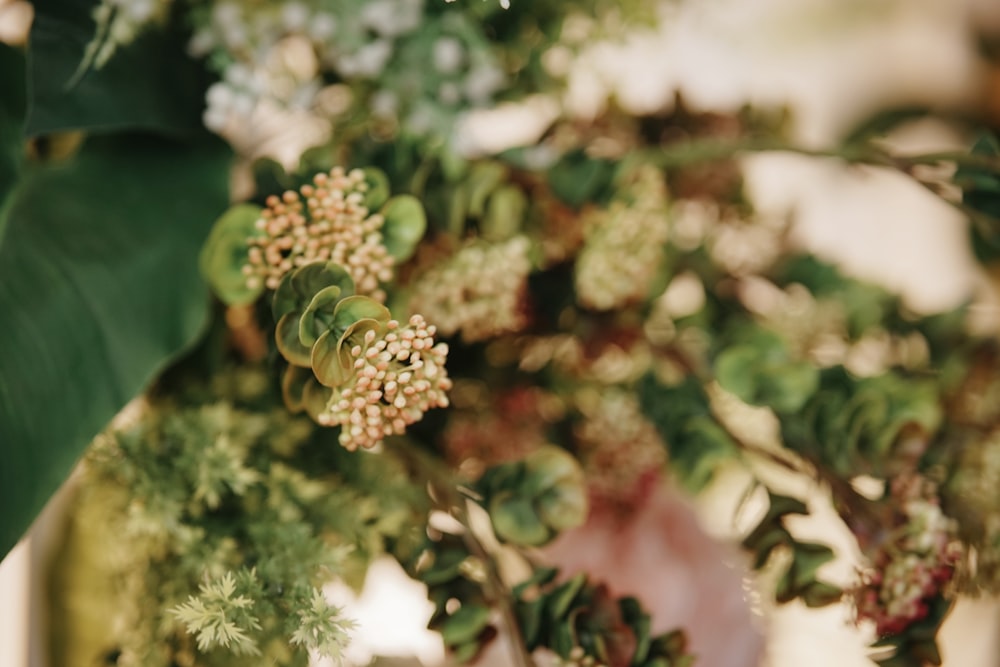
x: 12, y: 109
x: 577, y: 178
x: 981, y: 192
x: 150, y: 84
x: 226, y: 252
x: 99, y: 290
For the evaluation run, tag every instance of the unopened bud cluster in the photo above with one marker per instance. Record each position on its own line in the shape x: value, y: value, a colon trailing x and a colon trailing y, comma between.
x: 913, y: 565
x: 622, y: 452
x: 398, y: 376
x: 479, y: 292
x: 326, y: 220
x: 624, y: 247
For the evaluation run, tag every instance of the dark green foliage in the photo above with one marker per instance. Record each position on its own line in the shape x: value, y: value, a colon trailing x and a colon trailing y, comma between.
x: 577, y: 179
x: 531, y: 501
x: 12, y: 109
x: 578, y: 616
x: 756, y: 366
x: 99, y: 286
x: 150, y: 84
x: 798, y: 581
x: 696, y: 441
x: 877, y: 425
x: 451, y: 573
x: 981, y: 193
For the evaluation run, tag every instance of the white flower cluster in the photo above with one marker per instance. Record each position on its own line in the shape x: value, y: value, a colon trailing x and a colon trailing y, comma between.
x: 478, y: 292
x: 624, y: 247
x: 436, y: 77
x: 276, y: 51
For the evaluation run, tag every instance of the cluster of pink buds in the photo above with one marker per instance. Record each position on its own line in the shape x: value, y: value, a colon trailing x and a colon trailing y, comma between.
x: 913, y: 564
x: 398, y: 376
x: 323, y: 221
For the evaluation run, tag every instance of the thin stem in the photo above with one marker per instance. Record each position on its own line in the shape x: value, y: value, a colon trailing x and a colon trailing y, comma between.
x: 454, y: 501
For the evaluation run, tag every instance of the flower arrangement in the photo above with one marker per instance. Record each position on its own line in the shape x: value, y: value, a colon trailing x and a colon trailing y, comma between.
x: 451, y: 360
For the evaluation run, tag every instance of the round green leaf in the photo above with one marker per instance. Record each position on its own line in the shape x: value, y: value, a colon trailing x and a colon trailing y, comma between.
x: 331, y: 358
x: 293, y: 386
x: 515, y: 520
x: 378, y: 188
x: 319, y: 315
x: 355, y: 308
x: 482, y: 181
x: 564, y: 507
x: 405, y: 224
x: 299, y: 286
x: 224, y: 255
x: 286, y: 335
x: 327, y: 364
x: 548, y: 467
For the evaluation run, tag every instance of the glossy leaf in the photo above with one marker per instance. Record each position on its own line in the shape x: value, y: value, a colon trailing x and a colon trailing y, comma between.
x: 99, y: 290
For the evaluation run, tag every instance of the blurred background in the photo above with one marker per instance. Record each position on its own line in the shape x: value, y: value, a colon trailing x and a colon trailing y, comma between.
x: 830, y: 63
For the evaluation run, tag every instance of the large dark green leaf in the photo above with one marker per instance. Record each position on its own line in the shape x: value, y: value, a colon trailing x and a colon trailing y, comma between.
x: 150, y: 84
x: 12, y: 107
x: 99, y: 290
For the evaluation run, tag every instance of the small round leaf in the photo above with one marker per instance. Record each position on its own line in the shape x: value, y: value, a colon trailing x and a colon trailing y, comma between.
x: 405, y: 225
x: 225, y: 253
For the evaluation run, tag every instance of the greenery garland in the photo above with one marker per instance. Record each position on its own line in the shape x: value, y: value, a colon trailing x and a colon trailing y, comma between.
x: 398, y: 331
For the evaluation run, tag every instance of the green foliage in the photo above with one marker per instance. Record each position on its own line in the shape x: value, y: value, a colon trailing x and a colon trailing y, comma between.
x: 877, y: 425
x: 981, y: 193
x: 405, y: 224
x: 98, y: 269
x: 697, y: 443
x: 219, y: 616
x: 150, y: 84
x: 450, y: 572
x: 531, y: 501
x: 798, y: 579
x: 577, y: 179
x: 759, y: 369
x: 578, y: 618
x: 13, y: 106
x: 224, y: 255
x: 231, y: 523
